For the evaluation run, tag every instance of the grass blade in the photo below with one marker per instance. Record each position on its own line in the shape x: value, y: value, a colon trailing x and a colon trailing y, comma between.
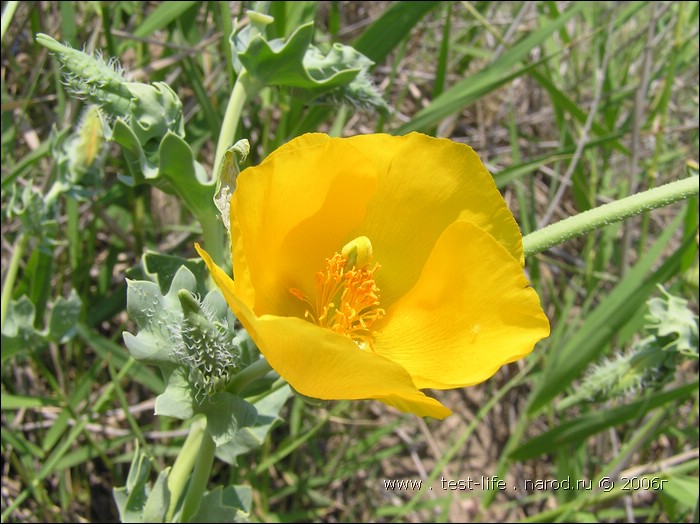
x: 575, y: 431
x: 468, y: 90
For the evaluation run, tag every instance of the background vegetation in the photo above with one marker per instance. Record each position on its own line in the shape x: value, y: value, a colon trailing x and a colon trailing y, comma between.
x: 569, y: 104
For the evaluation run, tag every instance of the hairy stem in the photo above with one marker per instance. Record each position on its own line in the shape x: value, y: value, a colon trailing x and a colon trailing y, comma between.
x: 599, y: 217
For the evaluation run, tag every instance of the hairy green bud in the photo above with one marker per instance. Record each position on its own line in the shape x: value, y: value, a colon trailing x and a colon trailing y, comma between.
x: 151, y: 110
x: 205, y: 345
x: 195, y: 342
x: 651, y: 362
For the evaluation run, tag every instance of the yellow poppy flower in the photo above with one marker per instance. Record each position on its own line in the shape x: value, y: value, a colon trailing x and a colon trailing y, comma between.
x: 375, y: 266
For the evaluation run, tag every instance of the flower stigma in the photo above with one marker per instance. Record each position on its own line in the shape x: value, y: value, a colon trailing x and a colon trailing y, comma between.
x: 347, y: 297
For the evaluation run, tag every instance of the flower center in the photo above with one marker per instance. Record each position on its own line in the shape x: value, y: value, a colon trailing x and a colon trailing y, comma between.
x: 346, y: 298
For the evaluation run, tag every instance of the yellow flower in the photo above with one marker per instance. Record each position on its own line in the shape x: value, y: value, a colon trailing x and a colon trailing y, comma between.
x: 375, y: 266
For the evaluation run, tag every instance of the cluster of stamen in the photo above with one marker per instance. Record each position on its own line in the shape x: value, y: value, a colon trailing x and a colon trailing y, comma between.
x: 346, y: 300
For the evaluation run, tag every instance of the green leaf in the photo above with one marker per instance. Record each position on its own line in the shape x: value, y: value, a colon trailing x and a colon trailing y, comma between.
x: 136, y: 160
x: 295, y: 63
x: 163, y: 268
x: 155, y: 315
x: 131, y: 498
x: 683, y: 489
x: 380, y: 39
x: 229, y: 504
x: 672, y: 321
x: 252, y: 436
x: 359, y: 93
x: 137, y: 501
x: 18, y: 333
x: 172, y: 169
x: 108, y: 350
x: 64, y: 318
x: 178, y: 398
x: 289, y: 15
x: 158, y: 500
x: 226, y: 414
x: 11, y: 402
x: 184, y: 175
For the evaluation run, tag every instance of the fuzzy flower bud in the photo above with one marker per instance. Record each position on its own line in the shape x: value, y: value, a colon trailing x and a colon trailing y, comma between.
x: 651, y: 362
x: 151, y: 110
x: 194, y: 342
x: 205, y: 346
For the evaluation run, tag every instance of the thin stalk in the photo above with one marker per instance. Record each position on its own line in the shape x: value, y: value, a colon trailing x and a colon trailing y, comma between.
x: 239, y: 96
x: 637, y: 123
x: 592, y: 219
x: 199, y: 478
x: 663, y: 112
x: 9, y: 284
x: 253, y: 372
x: 7, y: 16
x: 190, y: 454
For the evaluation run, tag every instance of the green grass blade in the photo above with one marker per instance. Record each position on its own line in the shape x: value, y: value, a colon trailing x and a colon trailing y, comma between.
x: 560, y: 100
x: 470, y: 89
x: 509, y: 174
x: 164, y: 14
x: 12, y: 402
x: 390, y: 28
x: 22, y: 447
x: 48, y: 468
x: 575, y: 431
x: 441, y: 71
x: 7, y: 14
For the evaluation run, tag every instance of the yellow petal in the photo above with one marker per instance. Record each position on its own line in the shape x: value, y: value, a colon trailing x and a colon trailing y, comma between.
x: 424, y: 185
x: 292, y: 212
x: 314, y: 194
x: 470, y: 312
x: 243, y: 284
x: 320, y: 363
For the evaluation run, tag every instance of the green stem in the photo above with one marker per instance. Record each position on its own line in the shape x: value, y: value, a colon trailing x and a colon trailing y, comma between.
x: 199, y: 479
x: 592, y: 219
x: 248, y: 376
x: 194, y: 450
x: 9, y: 284
x: 239, y: 96
x: 57, y: 188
